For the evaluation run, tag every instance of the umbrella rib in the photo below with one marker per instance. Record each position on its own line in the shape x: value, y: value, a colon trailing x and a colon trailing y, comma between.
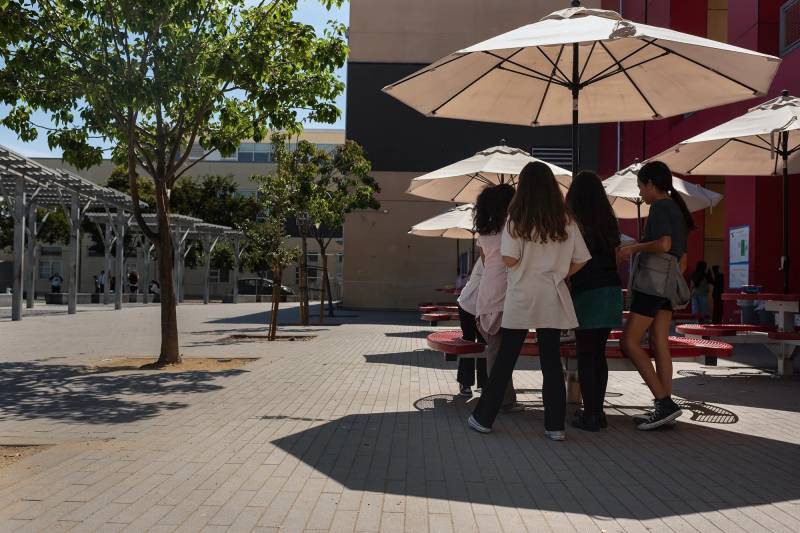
x: 535, y: 72
x: 546, y: 90
x: 625, y: 72
x: 740, y: 141
x: 555, y: 65
x: 706, y: 67
x: 535, y: 77
x: 470, y: 84
x: 453, y: 199
x: 709, y: 156
x: 588, y: 57
x: 606, y: 70
x: 426, y: 71
x: 600, y: 78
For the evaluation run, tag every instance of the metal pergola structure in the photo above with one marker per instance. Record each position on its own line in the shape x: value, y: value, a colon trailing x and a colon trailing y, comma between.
x: 27, y: 185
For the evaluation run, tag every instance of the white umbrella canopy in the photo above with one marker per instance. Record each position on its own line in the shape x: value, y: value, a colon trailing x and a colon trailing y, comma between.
x: 624, y: 196
x: 749, y: 145
x: 464, y: 180
x: 765, y: 141
x: 617, y: 69
x: 455, y: 223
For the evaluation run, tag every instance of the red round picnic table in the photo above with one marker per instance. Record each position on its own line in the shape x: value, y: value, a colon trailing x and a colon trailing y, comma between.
x: 764, y: 296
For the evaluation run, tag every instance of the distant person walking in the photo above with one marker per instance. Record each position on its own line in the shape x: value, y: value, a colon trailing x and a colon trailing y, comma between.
x: 55, y: 282
x: 718, y: 280
x: 133, y: 281
x: 700, y: 287
x: 103, y: 278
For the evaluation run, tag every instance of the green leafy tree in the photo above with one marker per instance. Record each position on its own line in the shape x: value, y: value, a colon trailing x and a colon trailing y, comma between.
x: 267, y: 246
x: 343, y: 184
x: 157, y: 78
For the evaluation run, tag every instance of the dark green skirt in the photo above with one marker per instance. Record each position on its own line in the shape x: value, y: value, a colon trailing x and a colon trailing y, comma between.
x: 599, y: 308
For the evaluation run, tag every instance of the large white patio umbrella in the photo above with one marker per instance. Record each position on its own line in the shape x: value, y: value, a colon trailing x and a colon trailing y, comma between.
x: 765, y: 141
x: 619, y: 70
x: 463, y: 181
x: 623, y: 193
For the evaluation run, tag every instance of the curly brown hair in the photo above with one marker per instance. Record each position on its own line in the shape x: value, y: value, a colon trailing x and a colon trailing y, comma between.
x: 537, y: 211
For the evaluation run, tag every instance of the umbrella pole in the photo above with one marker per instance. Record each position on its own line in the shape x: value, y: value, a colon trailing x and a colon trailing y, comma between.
x: 785, y: 258
x: 458, y: 257
x: 575, y: 118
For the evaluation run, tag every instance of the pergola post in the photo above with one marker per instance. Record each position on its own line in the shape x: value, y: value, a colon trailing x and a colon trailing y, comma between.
x: 145, y: 283
x: 120, y: 259
x: 206, y: 268
x: 30, y: 279
x: 74, y: 252
x: 19, y: 246
x: 107, y: 242
x: 237, y: 252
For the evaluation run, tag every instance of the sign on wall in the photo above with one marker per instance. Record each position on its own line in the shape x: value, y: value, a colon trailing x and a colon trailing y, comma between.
x: 739, y: 257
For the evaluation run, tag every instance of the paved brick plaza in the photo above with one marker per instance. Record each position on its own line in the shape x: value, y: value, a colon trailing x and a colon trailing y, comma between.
x: 358, y: 430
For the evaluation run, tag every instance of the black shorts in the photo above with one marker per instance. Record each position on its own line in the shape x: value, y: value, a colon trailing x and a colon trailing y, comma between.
x: 649, y: 305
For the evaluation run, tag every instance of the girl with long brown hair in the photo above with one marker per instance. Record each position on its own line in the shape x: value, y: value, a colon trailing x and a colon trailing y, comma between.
x: 541, y: 246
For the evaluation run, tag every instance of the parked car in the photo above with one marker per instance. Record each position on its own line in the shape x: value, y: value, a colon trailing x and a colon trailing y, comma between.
x: 262, y: 287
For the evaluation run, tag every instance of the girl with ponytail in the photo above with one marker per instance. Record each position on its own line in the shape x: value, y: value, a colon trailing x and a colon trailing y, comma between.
x: 666, y: 234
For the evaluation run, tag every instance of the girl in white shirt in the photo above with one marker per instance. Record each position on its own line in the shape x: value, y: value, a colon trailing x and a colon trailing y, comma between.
x: 541, y: 246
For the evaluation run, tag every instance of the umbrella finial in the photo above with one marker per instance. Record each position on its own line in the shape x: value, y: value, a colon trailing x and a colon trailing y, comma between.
x: 502, y: 142
x: 576, y: 3
x: 785, y: 92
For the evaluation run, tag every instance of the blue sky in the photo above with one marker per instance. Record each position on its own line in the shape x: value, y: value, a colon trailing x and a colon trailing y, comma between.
x: 309, y: 11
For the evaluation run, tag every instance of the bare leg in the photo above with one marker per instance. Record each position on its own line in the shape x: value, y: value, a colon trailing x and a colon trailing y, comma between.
x: 631, y: 344
x: 659, y: 341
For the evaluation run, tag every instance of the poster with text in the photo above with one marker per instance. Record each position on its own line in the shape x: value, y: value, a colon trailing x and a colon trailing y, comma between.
x: 739, y: 257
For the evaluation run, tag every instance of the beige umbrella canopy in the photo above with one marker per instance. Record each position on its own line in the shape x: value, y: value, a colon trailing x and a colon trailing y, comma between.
x: 464, y: 180
x: 623, y: 193
x: 582, y: 65
x: 455, y: 223
x: 765, y: 141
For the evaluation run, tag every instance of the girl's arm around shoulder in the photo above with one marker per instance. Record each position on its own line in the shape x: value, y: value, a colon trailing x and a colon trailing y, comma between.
x: 510, y: 248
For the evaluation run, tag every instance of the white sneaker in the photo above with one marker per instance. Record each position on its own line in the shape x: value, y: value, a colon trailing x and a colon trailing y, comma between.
x: 474, y: 424
x: 556, y: 435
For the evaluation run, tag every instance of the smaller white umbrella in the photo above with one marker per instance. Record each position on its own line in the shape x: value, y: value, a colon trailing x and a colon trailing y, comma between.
x: 455, y: 223
x: 464, y: 180
x: 623, y: 193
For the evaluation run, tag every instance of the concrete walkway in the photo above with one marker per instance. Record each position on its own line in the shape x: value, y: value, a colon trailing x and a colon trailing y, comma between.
x: 359, y: 430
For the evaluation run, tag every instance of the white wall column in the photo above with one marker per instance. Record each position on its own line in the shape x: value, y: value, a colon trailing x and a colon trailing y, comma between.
x: 19, y: 247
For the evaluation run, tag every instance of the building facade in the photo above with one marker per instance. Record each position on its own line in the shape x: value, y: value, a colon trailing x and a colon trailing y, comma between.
x: 390, y: 39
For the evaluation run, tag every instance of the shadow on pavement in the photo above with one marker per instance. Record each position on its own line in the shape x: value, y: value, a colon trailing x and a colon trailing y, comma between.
x: 291, y: 317
x: 620, y: 472
x: 739, y: 386
x: 29, y: 390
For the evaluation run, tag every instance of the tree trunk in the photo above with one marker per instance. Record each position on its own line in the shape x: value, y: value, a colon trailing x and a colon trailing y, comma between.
x: 322, y: 288
x: 169, y: 319
x: 327, y: 281
x: 303, y: 279
x: 277, y: 280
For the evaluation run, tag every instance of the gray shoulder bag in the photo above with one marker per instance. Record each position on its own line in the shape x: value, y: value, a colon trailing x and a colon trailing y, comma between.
x: 658, y: 274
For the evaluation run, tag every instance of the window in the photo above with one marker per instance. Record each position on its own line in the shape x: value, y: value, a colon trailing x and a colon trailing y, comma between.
x: 561, y: 157
x: 48, y: 268
x: 330, y: 148
x: 790, y: 26
x: 339, y: 257
x: 213, y: 275
x: 262, y: 153
x: 313, y: 257
x: 51, y: 251
x: 245, y: 153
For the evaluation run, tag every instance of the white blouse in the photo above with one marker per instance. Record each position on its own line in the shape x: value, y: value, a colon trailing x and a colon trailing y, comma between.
x: 537, y: 295
x: 492, y: 289
x: 468, y: 298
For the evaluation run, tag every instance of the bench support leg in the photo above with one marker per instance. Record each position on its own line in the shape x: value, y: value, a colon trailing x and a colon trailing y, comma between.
x: 710, y: 361
x: 786, y: 360
x: 573, y: 386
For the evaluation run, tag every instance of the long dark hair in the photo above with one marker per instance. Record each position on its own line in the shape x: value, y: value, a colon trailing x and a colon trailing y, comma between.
x: 589, y: 206
x: 537, y: 211
x: 491, y: 208
x: 660, y: 175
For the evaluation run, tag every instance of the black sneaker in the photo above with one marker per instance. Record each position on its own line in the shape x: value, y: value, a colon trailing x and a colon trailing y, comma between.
x: 603, y: 422
x: 665, y: 412
x: 586, y: 423
x: 644, y: 417
x: 465, y: 391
